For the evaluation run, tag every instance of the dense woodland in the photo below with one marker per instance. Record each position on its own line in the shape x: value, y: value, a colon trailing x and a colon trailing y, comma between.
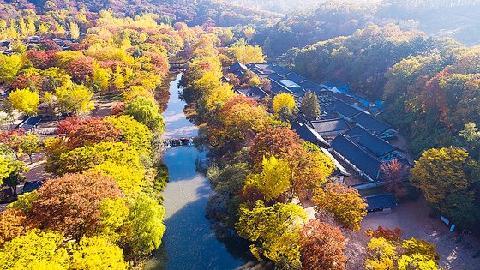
x: 429, y: 87
x: 102, y: 207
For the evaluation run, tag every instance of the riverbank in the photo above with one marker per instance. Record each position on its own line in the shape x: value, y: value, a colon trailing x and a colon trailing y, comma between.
x: 190, y: 241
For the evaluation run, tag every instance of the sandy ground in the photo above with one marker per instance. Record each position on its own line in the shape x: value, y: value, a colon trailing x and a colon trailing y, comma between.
x: 413, y: 219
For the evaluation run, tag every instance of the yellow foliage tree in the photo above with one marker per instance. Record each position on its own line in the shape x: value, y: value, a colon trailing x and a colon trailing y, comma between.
x: 244, y: 53
x: 35, y: 250
x: 97, y: 253
x: 344, y: 202
x: 382, y: 254
x: 274, y: 180
x: 25, y: 100
x: 284, y: 103
x: 441, y: 171
x: 74, y: 98
x: 9, y: 67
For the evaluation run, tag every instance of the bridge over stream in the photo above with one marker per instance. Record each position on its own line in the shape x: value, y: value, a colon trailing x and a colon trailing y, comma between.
x: 177, y: 142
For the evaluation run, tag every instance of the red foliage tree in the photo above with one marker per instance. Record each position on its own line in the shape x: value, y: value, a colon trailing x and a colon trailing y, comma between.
x: 395, y: 173
x: 49, y: 45
x: 83, y: 132
x: 12, y: 138
x: 80, y: 69
x: 42, y: 59
x: 322, y: 247
x: 22, y: 81
x: 12, y: 224
x: 280, y: 142
x: 389, y: 234
x: 71, y: 204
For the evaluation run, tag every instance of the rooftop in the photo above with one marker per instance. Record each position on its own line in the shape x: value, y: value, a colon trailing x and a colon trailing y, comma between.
x: 253, y: 92
x: 372, y: 143
x: 280, y: 70
x: 370, y: 123
x: 358, y: 157
x: 330, y: 126
x: 295, y: 77
x: 344, y: 109
x: 380, y: 201
x: 289, y: 84
x: 237, y: 68
x: 307, y: 134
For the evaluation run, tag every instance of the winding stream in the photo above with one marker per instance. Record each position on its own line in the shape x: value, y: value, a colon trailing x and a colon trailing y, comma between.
x: 189, y: 241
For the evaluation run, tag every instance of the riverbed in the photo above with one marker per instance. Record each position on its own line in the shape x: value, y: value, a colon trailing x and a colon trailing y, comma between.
x: 189, y: 241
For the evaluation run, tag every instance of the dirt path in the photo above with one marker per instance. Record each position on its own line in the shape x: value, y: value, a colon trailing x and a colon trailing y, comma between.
x: 413, y: 219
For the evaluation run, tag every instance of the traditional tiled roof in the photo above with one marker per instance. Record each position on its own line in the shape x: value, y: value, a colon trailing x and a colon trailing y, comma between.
x: 278, y: 88
x: 275, y: 77
x: 370, y: 142
x: 311, y: 86
x: 253, y: 92
x: 356, y: 156
x: 370, y: 123
x: 296, y: 78
x: 331, y: 127
x: 380, y: 201
x: 308, y: 134
x: 344, y: 109
x: 238, y: 69
x: 280, y: 70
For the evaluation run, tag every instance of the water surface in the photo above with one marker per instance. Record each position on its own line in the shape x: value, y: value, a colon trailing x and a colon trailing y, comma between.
x: 189, y: 241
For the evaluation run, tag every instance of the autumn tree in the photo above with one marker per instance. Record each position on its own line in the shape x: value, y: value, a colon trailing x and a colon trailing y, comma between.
x: 35, y: 250
x: 87, y: 131
x: 133, y: 132
x: 9, y: 67
x: 274, y: 232
x: 238, y: 121
x: 146, y: 111
x: 25, y: 100
x: 145, y: 225
x: 440, y: 172
x: 344, y: 202
x: 310, y: 106
x: 284, y: 106
x: 71, y: 204
x: 42, y: 59
x: 274, y: 180
x: 411, y: 253
x: 30, y: 144
x: 395, y: 174
x: 9, y: 167
x: 311, y: 171
x: 381, y: 254
x: 471, y: 137
x: 128, y: 178
x: 74, y: 30
x: 12, y: 224
x: 322, y: 247
x: 280, y: 142
x: 84, y: 158
x: 74, y: 98
x: 244, y: 53
x: 97, y: 253
x: 101, y: 77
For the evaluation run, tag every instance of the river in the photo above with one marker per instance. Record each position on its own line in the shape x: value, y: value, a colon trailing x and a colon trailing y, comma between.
x: 189, y: 241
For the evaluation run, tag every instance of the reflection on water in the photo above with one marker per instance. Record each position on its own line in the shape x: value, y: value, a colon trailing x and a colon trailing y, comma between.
x: 176, y: 124
x: 189, y: 242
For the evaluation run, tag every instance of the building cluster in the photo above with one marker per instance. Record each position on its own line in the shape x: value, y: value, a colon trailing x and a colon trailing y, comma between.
x: 347, y: 126
x: 6, y: 46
